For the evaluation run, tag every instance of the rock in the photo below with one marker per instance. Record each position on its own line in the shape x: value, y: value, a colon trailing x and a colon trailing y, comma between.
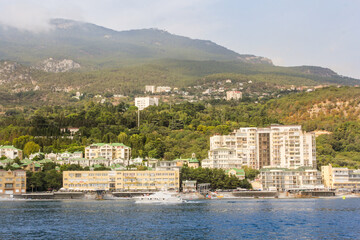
x: 51, y: 65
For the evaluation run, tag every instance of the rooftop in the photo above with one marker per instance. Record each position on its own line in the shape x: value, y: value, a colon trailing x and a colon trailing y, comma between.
x: 8, y: 147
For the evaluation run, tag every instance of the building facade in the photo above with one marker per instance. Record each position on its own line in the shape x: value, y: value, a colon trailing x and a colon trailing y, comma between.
x: 189, y: 186
x: 235, y: 95
x: 161, y: 89
x: 12, y: 182
x: 340, y: 178
x: 121, y: 180
x: 143, y: 102
x: 10, y: 152
x: 283, y: 179
x: 110, y: 151
x: 275, y: 146
x: 222, y: 158
x: 150, y: 88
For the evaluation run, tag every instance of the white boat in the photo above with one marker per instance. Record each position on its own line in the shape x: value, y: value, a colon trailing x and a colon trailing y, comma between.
x: 159, y: 197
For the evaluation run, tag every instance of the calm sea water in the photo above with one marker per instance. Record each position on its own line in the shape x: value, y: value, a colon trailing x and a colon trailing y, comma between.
x: 218, y: 219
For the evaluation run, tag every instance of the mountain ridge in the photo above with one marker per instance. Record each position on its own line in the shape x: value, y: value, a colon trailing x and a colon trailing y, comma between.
x: 94, y: 45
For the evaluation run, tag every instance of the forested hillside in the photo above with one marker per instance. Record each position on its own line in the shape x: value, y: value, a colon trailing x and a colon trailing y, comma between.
x: 21, y: 85
x: 178, y: 130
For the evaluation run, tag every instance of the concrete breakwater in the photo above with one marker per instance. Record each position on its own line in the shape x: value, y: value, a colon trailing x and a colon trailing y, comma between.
x: 255, y: 194
x: 54, y: 196
x: 186, y: 196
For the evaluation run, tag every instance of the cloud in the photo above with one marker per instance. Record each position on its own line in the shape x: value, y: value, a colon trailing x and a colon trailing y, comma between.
x: 30, y: 15
x: 26, y: 17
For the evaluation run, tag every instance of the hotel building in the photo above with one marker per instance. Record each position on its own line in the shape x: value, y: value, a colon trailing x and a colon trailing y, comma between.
x: 340, y: 178
x: 12, y: 182
x: 121, y: 180
x: 275, y: 146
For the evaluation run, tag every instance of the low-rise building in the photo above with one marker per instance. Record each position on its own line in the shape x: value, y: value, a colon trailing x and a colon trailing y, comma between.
x: 37, y: 154
x: 161, y: 89
x: 143, y: 102
x: 12, y: 182
x: 340, y: 178
x: 189, y: 186
x: 121, y: 180
x: 150, y: 88
x: 283, y: 179
x: 71, y: 130
x: 239, y: 173
x: 235, y: 95
x: 10, y: 152
x: 168, y: 165
x: 178, y: 163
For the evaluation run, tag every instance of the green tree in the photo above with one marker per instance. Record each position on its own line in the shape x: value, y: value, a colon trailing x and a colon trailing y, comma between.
x: 123, y: 138
x: 31, y: 147
x: 52, y: 180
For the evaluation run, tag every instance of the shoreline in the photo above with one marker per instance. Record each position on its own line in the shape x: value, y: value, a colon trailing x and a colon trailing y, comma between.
x: 223, y: 198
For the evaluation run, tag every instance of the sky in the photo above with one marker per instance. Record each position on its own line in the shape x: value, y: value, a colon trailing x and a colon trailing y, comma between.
x: 290, y: 32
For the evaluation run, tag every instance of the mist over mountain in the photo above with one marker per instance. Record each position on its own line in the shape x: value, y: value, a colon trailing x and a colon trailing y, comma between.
x: 94, y: 45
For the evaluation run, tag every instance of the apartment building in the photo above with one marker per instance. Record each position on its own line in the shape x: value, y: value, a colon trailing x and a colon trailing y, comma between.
x: 10, y: 152
x: 110, y: 151
x: 340, y: 178
x: 276, y: 146
x: 121, y: 180
x: 283, y: 179
x: 143, y: 102
x: 235, y: 95
x: 12, y: 182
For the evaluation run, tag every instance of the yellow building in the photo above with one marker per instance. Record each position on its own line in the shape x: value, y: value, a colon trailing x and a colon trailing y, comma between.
x: 121, y: 180
x: 340, y: 178
x: 12, y: 182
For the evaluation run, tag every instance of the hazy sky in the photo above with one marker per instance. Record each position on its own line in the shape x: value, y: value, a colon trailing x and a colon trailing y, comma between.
x: 303, y: 32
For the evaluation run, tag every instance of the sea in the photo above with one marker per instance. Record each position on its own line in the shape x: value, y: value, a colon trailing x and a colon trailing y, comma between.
x: 206, y: 219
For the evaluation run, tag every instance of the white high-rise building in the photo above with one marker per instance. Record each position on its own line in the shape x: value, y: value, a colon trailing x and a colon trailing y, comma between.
x: 144, y: 102
x: 275, y: 146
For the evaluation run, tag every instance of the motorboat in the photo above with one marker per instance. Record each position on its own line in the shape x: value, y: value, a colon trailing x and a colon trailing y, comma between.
x: 159, y: 197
